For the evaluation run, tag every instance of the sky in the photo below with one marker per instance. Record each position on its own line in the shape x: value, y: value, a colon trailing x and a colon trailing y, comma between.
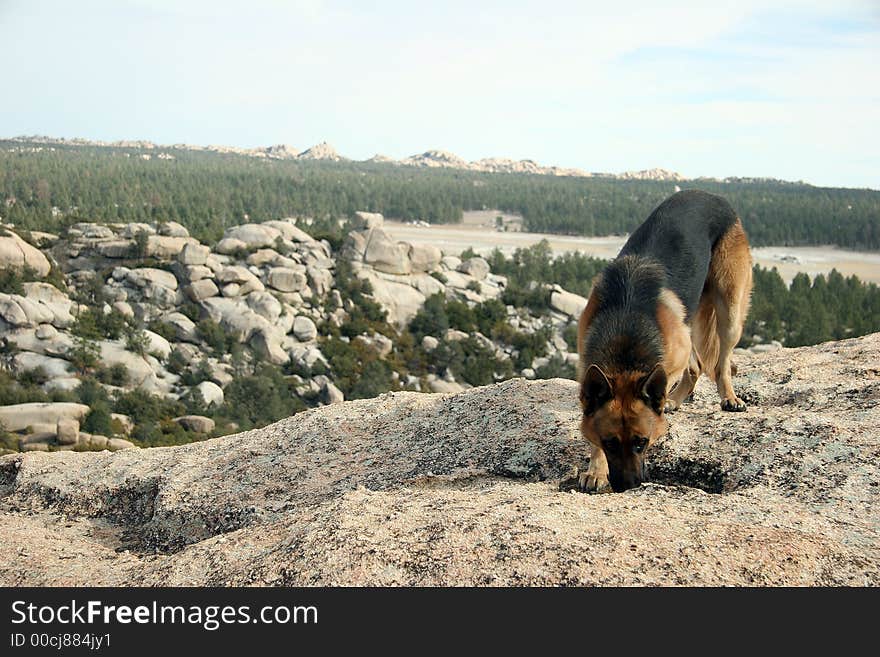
x: 787, y: 89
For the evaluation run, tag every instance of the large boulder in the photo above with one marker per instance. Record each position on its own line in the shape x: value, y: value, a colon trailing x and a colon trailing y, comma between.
x: 140, y: 373
x: 262, y: 257
x: 132, y: 229
x: 12, y: 313
x: 320, y: 280
x: 26, y: 339
x: 267, y: 343
x: 330, y: 394
x: 424, y: 258
x: 230, y: 245
x: 116, y: 248
x: 173, y: 229
x: 458, y: 280
x: 253, y: 236
x: 476, y: 267
x: 567, y: 303
x: 184, y: 328
x: 202, y: 289
x: 41, y: 304
x: 285, y: 279
x: 15, y: 253
x: 116, y: 444
x: 289, y: 231
x: 145, y: 277
x: 235, y: 317
x: 46, y: 332
x: 383, y: 253
x: 35, y: 312
x: 193, y: 273
x: 165, y: 247
x: 367, y: 220
x: 242, y: 277
x: 19, y: 417
x: 304, y: 329
x: 197, y: 423
x: 193, y: 254
x: 306, y: 356
x: 265, y: 305
x: 91, y: 231
x: 355, y: 246
x: 443, y: 386
x: 67, y: 431
x: 157, y: 345
x: 399, y: 300
x: 53, y: 299
x: 27, y: 361
x: 450, y: 262
x: 211, y: 393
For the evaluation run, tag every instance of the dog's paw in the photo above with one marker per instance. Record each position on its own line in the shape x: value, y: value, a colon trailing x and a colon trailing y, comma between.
x: 671, y: 407
x: 735, y: 405
x: 593, y: 482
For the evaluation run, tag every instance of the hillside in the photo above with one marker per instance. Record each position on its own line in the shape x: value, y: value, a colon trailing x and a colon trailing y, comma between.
x: 464, y: 489
x: 114, y: 333
x: 48, y: 185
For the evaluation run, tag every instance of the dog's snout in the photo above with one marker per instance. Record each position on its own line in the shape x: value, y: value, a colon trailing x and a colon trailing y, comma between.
x: 621, y: 481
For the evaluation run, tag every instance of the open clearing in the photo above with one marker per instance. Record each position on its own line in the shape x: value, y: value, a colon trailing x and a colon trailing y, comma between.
x: 477, y: 232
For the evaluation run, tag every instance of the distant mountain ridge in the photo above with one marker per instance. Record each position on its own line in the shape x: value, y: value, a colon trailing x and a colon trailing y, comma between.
x: 434, y: 158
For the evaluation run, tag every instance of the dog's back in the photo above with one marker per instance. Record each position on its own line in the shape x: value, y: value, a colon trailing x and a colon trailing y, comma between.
x: 681, y: 234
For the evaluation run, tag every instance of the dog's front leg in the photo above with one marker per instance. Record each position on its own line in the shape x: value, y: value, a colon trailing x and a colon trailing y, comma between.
x: 595, y: 479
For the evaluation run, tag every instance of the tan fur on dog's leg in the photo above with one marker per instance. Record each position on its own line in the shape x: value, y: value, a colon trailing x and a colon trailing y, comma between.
x: 677, y: 346
x: 595, y: 479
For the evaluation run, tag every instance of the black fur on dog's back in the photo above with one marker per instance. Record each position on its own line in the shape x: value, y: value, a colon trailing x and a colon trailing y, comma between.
x: 681, y: 234
x: 624, y: 335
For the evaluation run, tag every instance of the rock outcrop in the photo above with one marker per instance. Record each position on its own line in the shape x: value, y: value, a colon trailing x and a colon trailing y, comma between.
x: 403, y: 275
x: 18, y: 417
x: 15, y: 253
x: 468, y: 489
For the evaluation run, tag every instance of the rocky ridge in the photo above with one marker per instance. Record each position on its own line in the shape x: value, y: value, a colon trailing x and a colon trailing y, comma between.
x: 434, y: 158
x: 429, y: 159
x: 470, y: 489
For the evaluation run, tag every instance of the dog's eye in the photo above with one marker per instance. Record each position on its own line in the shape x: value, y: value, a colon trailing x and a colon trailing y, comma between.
x: 639, y: 444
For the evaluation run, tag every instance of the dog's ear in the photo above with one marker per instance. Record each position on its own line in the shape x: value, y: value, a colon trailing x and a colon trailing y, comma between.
x: 595, y: 390
x: 654, y: 389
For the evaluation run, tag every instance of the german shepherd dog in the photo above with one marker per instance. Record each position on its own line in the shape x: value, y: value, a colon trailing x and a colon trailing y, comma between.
x: 669, y: 307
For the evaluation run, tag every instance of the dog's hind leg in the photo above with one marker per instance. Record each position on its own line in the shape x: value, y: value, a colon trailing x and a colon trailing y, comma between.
x: 729, y: 285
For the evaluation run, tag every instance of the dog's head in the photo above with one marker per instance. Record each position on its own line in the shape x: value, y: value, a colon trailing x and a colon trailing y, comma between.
x: 623, y: 416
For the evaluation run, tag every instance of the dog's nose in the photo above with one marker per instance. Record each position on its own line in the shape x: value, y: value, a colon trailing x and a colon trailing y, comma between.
x: 624, y: 482
x: 632, y: 482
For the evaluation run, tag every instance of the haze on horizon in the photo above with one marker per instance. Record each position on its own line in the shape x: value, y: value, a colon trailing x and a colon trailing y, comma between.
x: 784, y: 89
